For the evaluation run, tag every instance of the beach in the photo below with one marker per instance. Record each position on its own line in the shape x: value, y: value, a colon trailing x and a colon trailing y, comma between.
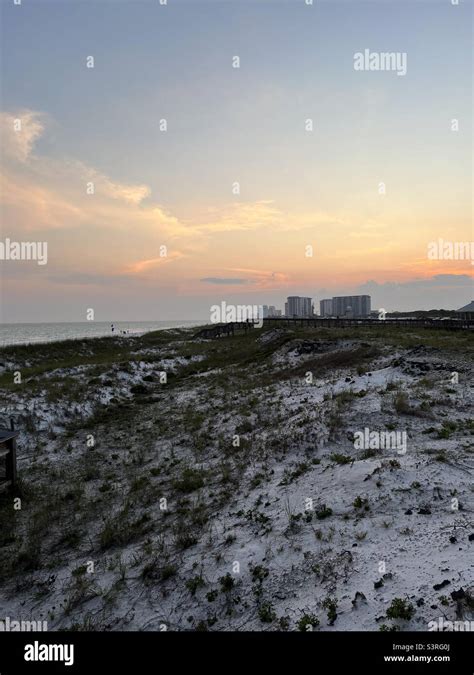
x: 173, y: 483
x: 34, y: 333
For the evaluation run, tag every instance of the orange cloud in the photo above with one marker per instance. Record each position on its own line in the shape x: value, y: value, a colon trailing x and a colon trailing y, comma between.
x: 144, y: 265
x: 116, y: 228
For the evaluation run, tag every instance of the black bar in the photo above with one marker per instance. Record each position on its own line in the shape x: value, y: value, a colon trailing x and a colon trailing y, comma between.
x: 322, y: 652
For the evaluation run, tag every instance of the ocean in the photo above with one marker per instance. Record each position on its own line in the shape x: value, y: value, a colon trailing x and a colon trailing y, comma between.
x: 30, y: 333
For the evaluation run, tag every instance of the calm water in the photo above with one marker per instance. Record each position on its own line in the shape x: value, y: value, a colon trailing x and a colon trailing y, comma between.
x: 27, y: 333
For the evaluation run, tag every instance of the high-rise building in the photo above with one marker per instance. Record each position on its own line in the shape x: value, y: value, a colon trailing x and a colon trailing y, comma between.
x: 269, y: 311
x: 325, y: 307
x: 351, y: 305
x: 297, y: 306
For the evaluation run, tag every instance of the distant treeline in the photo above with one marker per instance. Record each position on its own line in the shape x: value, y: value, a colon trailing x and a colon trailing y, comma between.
x: 424, y: 313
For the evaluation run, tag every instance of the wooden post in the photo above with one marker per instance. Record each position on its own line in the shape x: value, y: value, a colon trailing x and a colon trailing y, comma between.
x: 10, y: 462
x: 8, y: 451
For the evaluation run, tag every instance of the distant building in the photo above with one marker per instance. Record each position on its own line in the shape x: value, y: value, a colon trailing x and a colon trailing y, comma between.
x: 351, y: 305
x: 325, y: 307
x: 297, y: 306
x: 467, y: 312
x: 269, y: 311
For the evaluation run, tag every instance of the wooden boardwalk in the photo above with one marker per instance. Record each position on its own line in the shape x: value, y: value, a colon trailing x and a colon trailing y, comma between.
x: 226, y: 329
x: 320, y: 322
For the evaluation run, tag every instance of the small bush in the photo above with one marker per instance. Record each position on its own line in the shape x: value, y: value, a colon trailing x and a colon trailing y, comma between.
x: 266, y: 612
x: 330, y: 605
x: 340, y: 459
x: 400, y: 609
x: 447, y: 429
x: 401, y: 403
x: 191, y: 480
x: 259, y: 573
x: 194, y: 583
x: 361, y: 503
x: 227, y: 583
x: 324, y: 512
x: 308, y: 622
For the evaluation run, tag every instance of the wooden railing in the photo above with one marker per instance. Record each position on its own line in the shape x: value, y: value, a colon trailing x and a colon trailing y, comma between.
x: 219, y: 329
x: 226, y: 329
x: 320, y: 322
x: 8, y: 457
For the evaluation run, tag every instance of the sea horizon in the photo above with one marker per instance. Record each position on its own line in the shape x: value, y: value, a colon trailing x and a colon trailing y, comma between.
x: 22, y: 333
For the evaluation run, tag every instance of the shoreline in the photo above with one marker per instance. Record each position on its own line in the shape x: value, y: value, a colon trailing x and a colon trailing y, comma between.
x: 53, y: 340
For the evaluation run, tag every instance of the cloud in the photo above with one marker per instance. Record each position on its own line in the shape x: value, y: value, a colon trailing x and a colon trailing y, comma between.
x: 46, y: 193
x: 115, y: 233
x: 19, y: 132
x: 142, y: 265
x: 438, y: 281
x: 264, y: 279
x: 242, y: 216
x: 442, y: 291
x: 50, y: 193
x: 103, y: 185
x: 79, y: 279
x: 262, y: 214
x: 256, y: 280
x: 221, y: 281
x: 100, y: 229
x: 370, y: 230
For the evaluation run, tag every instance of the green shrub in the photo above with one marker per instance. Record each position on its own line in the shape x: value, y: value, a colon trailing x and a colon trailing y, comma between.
x: 227, y: 583
x: 330, y: 605
x: 361, y: 502
x: 259, y: 573
x: 194, y: 583
x: 340, y: 459
x: 191, y: 480
x: 324, y: 512
x: 308, y: 622
x: 400, y: 609
x: 401, y: 403
x: 266, y: 612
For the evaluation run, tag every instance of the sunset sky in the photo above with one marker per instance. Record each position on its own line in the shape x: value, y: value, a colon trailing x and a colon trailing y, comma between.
x: 174, y: 188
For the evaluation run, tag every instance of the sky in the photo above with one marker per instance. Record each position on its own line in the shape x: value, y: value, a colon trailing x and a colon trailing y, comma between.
x: 165, y: 180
